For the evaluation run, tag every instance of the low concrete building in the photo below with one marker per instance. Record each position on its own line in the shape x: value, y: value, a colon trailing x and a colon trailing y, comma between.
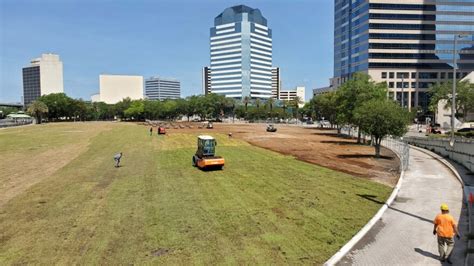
x: 114, y: 88
x: 95, y: 97
x: 288, y: 95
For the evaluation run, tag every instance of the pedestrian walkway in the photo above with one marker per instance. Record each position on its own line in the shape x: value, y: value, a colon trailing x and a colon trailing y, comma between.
x: 403, y: 236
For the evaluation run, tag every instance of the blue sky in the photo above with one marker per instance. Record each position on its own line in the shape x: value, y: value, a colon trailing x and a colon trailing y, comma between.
x: 150, y: 37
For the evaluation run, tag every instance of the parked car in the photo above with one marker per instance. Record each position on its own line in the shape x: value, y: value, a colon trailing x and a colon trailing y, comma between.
x: 324, y: 123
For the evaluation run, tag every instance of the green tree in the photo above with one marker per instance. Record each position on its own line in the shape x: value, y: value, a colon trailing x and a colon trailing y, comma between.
x: 381, y: 118
x: 78, y: 109
x: 270, y: 102
x: 37, y: 109
x: 182, y: 107
x: 464, y: 97
x: 103, y: 111
x: 229, y: 107
x: 295, y: 105
x: 4, y: 111
x: 60, y: 106
x: 354, y: 93
x: 326, y: 106
x: 284, y: 105
x: 135, y: 111
x: 246, y: 101
x: 258, y: 102
x: 120, y: 107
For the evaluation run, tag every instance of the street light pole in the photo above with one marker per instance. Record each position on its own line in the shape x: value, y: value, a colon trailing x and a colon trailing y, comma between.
x: 453, y: 98
x: 403, y: 85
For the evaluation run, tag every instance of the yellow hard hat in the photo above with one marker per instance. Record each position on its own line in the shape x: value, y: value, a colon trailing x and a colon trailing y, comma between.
x: 444, y: 207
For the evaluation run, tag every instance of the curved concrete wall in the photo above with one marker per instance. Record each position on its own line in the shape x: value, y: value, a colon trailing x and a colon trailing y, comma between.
x: 462, y: 152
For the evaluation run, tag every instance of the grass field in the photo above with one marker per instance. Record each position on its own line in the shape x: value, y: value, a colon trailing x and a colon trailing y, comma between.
x: 263, y: 208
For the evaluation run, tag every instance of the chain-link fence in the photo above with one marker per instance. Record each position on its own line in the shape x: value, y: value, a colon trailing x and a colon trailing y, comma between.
x: 400, y: 148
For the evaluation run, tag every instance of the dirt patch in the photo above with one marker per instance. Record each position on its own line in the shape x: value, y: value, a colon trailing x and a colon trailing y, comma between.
x: 160, y: 252
x: 319, y: 146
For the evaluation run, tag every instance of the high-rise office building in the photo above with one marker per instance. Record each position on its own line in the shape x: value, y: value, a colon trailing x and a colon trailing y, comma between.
x: 206, y: 80
x: 43, y: 76
x: 276, y: 82
x: 407, y: 44
x: 157, y: 88
x: 241, y: 54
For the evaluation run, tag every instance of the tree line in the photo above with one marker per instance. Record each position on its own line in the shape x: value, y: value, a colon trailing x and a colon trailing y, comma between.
x: 362, y: 104
x: 60, y: 107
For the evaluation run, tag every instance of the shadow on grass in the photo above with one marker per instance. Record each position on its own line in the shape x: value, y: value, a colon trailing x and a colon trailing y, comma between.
x: 320, y: 128
x: 348, y: 156
x: 340, y: 142
x: 373, y: 199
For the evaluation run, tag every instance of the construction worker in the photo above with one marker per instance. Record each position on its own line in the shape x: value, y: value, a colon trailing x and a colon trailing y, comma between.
x: 151, y: 131
x: 445, y: 227
x: 117, y: 158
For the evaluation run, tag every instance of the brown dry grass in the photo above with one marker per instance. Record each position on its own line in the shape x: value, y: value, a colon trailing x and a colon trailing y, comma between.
x: 31, y: 154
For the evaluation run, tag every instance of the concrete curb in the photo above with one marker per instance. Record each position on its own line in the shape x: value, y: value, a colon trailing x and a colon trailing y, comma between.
x: 455, y: 172
x: 362, y: 232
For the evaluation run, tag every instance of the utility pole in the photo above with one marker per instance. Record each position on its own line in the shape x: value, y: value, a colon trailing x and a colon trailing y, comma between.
x: 403, y: 85
x: 453, y: 98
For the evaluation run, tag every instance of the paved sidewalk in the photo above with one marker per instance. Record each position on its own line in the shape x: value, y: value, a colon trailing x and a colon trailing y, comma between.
x: 404, y: 234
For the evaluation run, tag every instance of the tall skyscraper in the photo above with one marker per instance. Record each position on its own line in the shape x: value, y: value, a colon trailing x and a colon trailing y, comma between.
x: 43, y: 76
x: 241, y: 54
x: 407, y: 44
x: 157, y: 88
x: 276, y: 83
x: 206, y: 80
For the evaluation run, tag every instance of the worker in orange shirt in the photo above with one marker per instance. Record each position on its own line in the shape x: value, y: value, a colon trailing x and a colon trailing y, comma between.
x: 445, y: 227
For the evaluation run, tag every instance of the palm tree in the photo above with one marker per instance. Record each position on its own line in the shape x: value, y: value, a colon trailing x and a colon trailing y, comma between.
x: 270, y: 103
x: 246, y: 102
x: 257, y: 103
x: 284, y: 105
x: 295, y: 102
x: 37, y: 109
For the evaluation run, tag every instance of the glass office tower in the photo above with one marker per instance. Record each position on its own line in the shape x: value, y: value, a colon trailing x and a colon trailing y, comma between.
x: 241, y: 54
x: 407, y: 44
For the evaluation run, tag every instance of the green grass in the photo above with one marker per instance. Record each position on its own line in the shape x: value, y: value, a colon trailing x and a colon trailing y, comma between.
x: 263, y: 208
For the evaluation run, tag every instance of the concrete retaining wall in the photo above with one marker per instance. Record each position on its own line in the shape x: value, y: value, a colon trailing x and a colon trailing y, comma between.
x: 462, y: 152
